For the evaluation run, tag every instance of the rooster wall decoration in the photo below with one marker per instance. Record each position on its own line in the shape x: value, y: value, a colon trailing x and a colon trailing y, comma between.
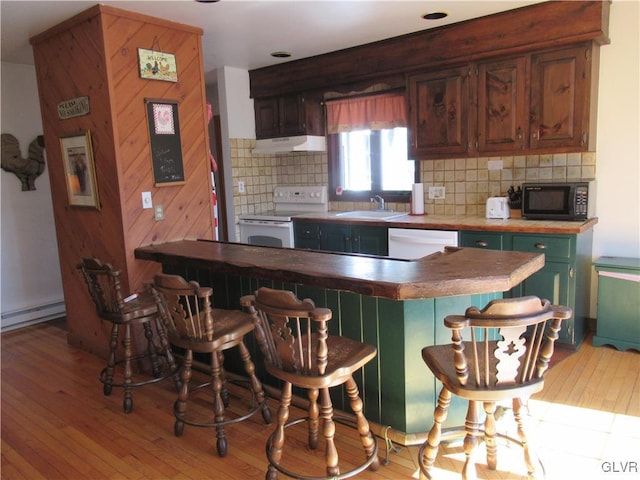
x: 26, y: 169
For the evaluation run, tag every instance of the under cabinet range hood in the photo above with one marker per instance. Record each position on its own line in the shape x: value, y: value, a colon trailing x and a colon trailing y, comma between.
x: 300, y: 143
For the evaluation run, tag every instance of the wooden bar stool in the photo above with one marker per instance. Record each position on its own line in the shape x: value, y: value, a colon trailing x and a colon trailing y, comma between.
x: 498, y: 353
x: 104, y: 287
x: 298, y: 350
x: 195, y: 326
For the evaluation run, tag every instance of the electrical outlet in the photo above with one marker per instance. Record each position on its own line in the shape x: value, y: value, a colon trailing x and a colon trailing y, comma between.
x: 495, y: 165
x: 146, y: 200
x: 436, y: 193
x: 240, y: 186
x: 158, y: 212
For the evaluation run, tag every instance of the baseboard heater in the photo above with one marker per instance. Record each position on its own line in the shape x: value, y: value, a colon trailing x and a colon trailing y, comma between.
x: 31, y: 315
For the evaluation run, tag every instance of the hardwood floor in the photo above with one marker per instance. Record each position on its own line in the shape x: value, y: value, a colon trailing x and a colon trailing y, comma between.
x: 56, y: 424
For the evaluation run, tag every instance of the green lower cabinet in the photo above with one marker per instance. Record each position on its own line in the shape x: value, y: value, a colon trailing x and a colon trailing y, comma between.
x: 370, y: 240
x: 553, y: 282
x: 396, y: 387
x: 565, y: 278
x: 341, y: 237
x: 306, y: 235
x: 335, y: 237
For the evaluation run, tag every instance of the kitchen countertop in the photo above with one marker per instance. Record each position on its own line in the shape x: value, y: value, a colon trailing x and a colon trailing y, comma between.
x: 459, y: 222
x: 457, y: 271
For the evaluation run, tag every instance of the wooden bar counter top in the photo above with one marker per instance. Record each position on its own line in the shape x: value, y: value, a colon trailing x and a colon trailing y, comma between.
x: 457, y: 271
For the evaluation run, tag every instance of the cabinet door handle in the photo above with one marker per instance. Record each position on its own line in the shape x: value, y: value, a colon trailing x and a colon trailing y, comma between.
x: 571, y: 272
x: 540, y: 246
x: 481, y: 243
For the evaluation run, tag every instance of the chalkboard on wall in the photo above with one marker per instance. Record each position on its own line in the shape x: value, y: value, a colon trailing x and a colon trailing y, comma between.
x: 164, y: 136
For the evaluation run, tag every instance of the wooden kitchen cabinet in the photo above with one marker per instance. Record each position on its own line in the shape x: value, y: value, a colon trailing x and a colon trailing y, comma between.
x: 288, y: 115
x: 561, y: 98
x: 532, y: 103
x: 439, y: 104
x: 502, y: 105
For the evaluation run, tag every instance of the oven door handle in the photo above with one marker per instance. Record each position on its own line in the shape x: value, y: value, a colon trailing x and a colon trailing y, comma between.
x: 265, y: 223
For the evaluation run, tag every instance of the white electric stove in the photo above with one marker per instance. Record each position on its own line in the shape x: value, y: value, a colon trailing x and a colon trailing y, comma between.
x: 274, y: 228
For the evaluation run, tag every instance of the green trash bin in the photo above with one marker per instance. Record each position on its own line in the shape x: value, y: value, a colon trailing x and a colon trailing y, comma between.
x: 618, y: 316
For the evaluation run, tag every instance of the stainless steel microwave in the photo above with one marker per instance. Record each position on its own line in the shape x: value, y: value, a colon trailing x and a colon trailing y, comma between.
x: 559, y: 200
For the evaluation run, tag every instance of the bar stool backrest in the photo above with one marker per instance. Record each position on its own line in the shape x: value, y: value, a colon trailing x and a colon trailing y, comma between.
x: 526, y: 327
x: 104, y: 287
x: 295, y: 331
x: 185, y: 307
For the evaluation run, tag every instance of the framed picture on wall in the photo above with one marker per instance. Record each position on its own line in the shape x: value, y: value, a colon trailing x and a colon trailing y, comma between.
x: 166, y: 147
x: 80, y: 170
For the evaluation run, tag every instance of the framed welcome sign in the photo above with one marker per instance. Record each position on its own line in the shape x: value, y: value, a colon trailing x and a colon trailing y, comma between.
x: 157, y: 65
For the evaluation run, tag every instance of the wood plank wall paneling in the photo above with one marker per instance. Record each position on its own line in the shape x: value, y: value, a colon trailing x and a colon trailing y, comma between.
x: 95, y: 54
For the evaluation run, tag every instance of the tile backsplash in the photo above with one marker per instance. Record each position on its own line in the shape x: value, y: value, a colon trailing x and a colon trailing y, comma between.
x: 468, y: 182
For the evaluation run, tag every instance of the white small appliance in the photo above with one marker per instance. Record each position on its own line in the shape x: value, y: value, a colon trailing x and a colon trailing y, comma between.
x: 497, y: 207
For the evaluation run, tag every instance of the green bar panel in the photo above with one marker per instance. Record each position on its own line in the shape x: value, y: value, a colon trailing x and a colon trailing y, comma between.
x: 370, y: 335
x: 392, y: 366
x: 419, y: 332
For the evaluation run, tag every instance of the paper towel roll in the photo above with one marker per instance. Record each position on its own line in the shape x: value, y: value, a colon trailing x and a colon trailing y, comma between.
x: 417, y: 199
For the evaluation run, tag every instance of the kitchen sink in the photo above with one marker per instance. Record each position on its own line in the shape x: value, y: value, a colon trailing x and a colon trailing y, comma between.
x: 371, y: 214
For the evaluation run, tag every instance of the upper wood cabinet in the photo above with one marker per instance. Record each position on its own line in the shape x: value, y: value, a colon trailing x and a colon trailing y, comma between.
x: 561, y: 99
x: 288, y: 115
x: 502, y: 105
x: 439, y: 112
x: 538, y: 103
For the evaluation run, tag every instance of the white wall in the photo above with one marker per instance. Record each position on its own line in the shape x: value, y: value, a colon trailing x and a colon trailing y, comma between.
x: 618, y: 143
x: 236, y: 121
x: 31, y: 286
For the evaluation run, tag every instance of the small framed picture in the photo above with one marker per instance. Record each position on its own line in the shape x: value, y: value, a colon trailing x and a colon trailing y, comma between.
x: 156, y: 65
x: 80, y: 170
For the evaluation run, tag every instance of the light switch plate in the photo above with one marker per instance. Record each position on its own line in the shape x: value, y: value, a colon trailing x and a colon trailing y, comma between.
x: 146, y: 200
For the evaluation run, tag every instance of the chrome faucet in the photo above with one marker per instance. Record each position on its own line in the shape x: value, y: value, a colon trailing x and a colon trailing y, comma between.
x: 377, y: 199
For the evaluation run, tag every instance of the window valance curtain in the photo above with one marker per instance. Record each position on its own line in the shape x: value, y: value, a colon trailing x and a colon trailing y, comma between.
x: 374, y: 112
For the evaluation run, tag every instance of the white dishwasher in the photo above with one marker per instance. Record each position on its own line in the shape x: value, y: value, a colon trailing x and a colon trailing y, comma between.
x: 410, y: 243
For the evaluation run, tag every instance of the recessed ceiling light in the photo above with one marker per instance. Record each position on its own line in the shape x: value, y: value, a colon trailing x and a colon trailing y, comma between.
x: 435, y: 15
x: 281, y: 54
x: 207, y: 1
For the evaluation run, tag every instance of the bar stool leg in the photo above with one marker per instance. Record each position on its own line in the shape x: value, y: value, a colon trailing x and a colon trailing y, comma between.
x: 218, y: 404
x: 329, y: 431
x: 517, y: 414
x: 256, y: 385
x: 364, y: 430
x: 430, y: 447
x: 152, y: 350
x: 472, y: 427
x: 166, y: 350
x: 277, y: 443
x: 314, y: 418
x: 111, y: 361
x: 180, y: 407
x: 128, y: 371
x: 490, y: 435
